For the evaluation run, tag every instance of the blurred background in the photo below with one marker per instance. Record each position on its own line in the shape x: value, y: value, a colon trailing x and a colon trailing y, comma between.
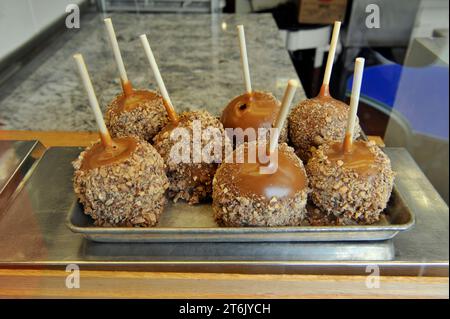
x: 405, y: 42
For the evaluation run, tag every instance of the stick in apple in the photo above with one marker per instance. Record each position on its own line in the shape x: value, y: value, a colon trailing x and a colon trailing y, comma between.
x: 325, y: 89
x: 126, y: 84
x: 282, y: 115
x: 354, y: 101
x: 93, y: 102
x: 151, y: 59
x: 244, y: 59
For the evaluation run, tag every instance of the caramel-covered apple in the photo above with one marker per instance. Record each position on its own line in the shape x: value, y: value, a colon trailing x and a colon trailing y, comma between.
x: 315, y: 121
x: 192, y: 180
x: 139, y: 113
x: 121, y: 185
x: 244, y: 196
x: 252, y: 110
x: 353, y: 186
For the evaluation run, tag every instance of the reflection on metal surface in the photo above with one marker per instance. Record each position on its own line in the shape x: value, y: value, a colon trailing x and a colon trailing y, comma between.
x: 16, y: 160
x: 267, y: 252
x: 33, y: 233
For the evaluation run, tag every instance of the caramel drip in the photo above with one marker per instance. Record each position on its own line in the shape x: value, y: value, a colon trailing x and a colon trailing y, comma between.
x: 106, y: 139
x: 100, y: 155
x: 170, y: 112
x: 127, y: 88
x: 287, y: 180
x: 324, y: 91
x: 128, y: 101
x: 253, y: 110
x: 359, y: 158
x: 348, y: 143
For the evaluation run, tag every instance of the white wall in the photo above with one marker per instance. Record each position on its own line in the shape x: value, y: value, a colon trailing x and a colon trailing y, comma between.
x: 21, y: 20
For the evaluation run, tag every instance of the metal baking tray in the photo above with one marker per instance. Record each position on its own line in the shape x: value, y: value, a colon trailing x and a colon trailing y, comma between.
x: 181, y: 222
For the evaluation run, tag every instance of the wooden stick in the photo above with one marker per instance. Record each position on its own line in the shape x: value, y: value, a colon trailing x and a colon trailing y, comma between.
x: 126, y: 84
x: 282, y: 115
x: 244, y: 59
x: 325, y: 90
x: 151, y: 59
x: 354, y: 101
x: 104, y: 134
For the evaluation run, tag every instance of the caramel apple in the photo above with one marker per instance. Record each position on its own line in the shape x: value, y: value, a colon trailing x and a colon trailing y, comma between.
x: 262, y: 184
x: 139, y: 113
x: 243, y: 196
x: 351, y: 180
x: 121, y: 185
x: 252, y: 110
x: 353, y: 186
x: 119, y: 181
x: 323, y: 118
x: 191, y: 181
x: 315, y: 121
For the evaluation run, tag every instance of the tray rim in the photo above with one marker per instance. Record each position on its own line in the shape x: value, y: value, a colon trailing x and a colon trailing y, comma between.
x: 95, y: 230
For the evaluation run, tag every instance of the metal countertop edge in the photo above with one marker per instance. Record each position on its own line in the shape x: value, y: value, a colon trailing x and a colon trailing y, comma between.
x: 349, y: 268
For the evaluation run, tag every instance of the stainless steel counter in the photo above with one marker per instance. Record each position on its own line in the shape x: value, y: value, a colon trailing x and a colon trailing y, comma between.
x: 33, y: 234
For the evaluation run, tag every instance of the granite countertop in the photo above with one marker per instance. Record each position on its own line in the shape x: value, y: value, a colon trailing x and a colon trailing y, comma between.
x: 198, y: 56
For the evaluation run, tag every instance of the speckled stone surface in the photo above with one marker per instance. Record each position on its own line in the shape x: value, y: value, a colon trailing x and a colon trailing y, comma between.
x: 198, y: 56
